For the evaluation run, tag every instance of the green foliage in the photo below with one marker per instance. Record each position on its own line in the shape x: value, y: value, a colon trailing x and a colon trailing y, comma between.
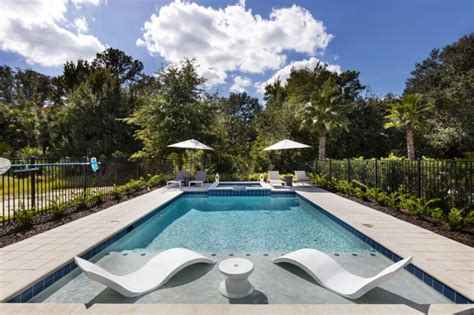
x: 417, y: 206
x: 80, y: 199
x: 177, y: 110
x: 455, y: 219
x: 94, y: 199
x: 57, y: 207
x: 25, y: 217
x: 468, y: 220
x: 134, y: 185
x: 411, y: 113
x: 344, y: 186
x: 116, y: 192
x: 446, y: 77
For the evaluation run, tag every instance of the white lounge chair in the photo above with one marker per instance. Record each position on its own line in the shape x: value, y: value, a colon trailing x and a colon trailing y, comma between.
x: 179, y: 179
x: 152, y: 275
x: 300, y: 177
x: 274, y: 178
x: 328, y: 273
x: 201, y: 178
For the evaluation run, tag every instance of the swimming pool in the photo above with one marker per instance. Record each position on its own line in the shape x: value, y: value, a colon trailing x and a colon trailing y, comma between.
x: 256, y: 228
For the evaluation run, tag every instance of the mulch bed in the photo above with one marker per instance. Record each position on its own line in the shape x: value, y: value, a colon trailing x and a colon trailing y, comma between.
x: 10, y: 233
x: 465, y: 237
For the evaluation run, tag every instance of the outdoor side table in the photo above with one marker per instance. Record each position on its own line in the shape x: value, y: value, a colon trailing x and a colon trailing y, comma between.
x: 186, y: 180
x: 289, y: 180
x: 236, y: 284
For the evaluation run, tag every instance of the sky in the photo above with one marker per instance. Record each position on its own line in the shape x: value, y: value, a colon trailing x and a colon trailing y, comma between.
x: 239, y: 45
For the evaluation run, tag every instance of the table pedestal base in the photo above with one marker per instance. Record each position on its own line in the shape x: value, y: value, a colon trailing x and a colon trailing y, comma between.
x: 236, y: 288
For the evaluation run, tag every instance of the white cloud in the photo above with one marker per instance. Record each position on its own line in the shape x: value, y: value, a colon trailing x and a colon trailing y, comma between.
x: 80, y: 3
x: 81, y: 24
x: 35, y: 30
x: 240, y: 83
x: 232, y: 38
x: 284, y: 73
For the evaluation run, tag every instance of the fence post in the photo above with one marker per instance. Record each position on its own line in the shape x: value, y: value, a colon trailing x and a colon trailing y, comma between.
x: 33, y: 188
x: 376, y: 173
x: 84, y: 170
x: 418, y: 178
x: 115, y: 172
x: 349, y: 170
x: 330, y: 169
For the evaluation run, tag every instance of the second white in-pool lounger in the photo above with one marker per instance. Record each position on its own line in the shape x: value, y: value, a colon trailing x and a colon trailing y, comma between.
x: 328, y: 273
x: 152, y: 275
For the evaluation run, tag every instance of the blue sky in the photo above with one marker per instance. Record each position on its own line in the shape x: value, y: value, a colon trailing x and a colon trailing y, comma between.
x: 237, y: 50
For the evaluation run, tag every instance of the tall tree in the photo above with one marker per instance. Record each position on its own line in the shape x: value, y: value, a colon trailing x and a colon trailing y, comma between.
x: 411, y: 113
x: 177, y: 110
x: 323, y: 113
x: 446, y: 78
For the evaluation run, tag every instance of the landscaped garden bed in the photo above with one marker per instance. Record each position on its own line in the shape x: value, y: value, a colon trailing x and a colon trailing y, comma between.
x: 455, y: 224
x: 29, y: 222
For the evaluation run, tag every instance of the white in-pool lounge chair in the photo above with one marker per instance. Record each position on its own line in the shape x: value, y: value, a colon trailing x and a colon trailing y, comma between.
x: 179, y: 179
x: 201, y: 178
x: 328, y: 273
x: 152, y: 275
x: 274, y: 178
x: 300, y: 177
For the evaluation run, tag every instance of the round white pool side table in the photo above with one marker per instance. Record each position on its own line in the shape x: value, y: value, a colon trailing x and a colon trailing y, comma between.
x: 236, y: 284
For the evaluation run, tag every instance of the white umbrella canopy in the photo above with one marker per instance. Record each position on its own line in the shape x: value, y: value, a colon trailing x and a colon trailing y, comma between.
x: 5, y: 165
x: 286, y: 145
x: 190, y: 144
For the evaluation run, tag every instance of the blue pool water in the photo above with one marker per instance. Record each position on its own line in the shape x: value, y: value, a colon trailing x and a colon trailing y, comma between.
x: 256, y: 228
x: 213, y: 224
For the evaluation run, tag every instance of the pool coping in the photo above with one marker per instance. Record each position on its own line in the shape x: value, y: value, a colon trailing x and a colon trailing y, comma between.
x: 347, y: 214
x: 51, y: 275
x: 32, y: 265
x: 243, y: 309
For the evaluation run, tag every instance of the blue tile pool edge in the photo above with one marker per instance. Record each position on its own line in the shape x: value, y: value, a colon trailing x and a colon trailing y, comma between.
x: 50, y: 279
x: 431, y: 281
x: 45, y: 282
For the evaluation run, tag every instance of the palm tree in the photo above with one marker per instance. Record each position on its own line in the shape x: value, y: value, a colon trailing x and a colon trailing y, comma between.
x: 411, y: 113
x: 323, y: 114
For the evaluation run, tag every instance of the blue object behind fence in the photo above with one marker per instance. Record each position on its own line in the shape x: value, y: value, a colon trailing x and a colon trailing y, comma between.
x: 94, y: 164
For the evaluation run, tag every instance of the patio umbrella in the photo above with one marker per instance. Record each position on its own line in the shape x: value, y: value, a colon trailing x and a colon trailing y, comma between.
x: 192, y: 145
x: 286, y: 145
x: 5, y: 165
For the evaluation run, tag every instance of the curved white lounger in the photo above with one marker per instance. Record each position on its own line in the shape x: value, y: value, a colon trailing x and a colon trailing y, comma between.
x: 152, y: 275
x: 328, y: 273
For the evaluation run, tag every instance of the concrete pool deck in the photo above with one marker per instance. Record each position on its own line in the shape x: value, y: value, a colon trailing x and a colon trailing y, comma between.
x: 25, y: 262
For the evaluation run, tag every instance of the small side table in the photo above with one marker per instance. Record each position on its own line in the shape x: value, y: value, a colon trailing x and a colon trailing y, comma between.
x: 186, y: 181
x: 289, y: 180
x: 236, y: 284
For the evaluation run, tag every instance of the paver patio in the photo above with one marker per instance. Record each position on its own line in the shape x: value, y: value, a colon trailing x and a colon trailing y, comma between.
x: 26, y: 262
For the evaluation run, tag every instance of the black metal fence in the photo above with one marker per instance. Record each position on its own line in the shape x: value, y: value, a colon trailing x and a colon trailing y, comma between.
x: 449, y: 180
x: 36, y: 183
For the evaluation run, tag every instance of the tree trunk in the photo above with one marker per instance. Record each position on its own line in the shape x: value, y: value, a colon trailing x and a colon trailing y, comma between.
x: 410, y: 143
x: 322, y: 145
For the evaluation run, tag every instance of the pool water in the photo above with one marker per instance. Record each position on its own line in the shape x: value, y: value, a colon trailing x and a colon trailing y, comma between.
x: 279, y: 224
x: 255, y: 228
